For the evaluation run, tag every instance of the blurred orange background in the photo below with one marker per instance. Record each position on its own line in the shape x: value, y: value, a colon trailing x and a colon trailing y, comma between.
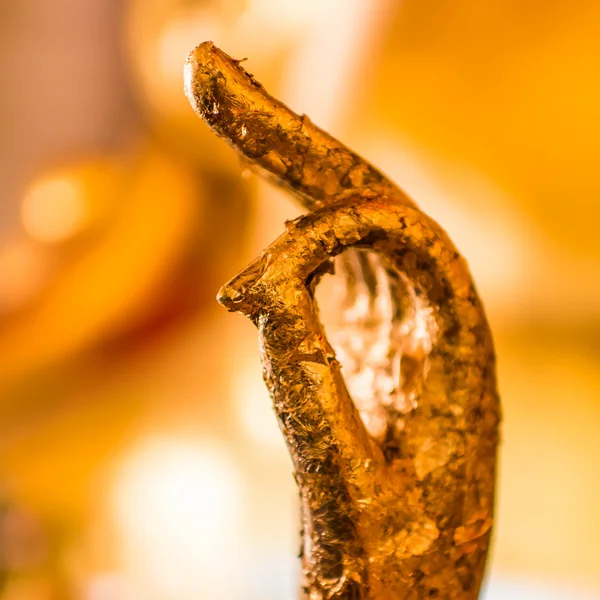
x: 139, y: 458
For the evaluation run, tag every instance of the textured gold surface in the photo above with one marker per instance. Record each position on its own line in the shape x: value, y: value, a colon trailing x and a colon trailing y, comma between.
x: 405, y: 512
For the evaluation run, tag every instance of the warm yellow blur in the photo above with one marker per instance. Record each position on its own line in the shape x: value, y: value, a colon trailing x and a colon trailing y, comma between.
x: 54, y: 210
x: 139, y: 458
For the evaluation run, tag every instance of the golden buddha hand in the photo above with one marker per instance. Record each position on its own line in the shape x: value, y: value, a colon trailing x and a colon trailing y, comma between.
x: 397, y: 490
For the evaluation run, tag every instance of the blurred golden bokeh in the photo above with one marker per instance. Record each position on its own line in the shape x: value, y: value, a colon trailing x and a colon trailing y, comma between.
x: 138, y: 454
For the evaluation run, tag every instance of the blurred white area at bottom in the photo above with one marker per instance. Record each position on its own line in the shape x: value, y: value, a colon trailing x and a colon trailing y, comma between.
x: 178, y: 505
x: 269, y: 577
x: 505, y: 587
